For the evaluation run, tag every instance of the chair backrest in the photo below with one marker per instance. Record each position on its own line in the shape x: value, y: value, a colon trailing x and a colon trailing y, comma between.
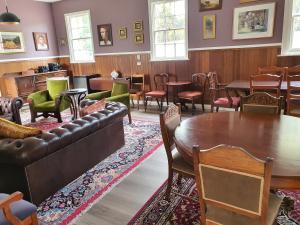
x: 266, y: 82
x: 261, y: 102
x: 199, y: 81
x: 169, y: 120
x: 293, y: 95
x: 230, y: 178
x: 137, y: 82
x: 295, y: 70
x: 120, y: 87
x: 56, y: 86
x: 160, y: 81
x: 274, y: 70
x: 212, y: 80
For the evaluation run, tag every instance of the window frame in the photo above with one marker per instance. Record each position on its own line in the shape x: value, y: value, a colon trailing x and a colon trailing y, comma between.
x: 288, y: 34
x: 152, y: 42
x: 70, y: 40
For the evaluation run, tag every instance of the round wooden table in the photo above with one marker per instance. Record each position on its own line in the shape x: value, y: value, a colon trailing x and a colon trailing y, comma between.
x: 261, y: 135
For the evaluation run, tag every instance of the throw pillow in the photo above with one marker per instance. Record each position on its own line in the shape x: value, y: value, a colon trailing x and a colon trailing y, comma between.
x: 9, y: 129
x: 99, y: 105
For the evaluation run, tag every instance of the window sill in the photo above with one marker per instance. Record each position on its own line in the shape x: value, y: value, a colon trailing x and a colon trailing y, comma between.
x: 166, y: 60
x: 289, y: 54
x: 82, y: 62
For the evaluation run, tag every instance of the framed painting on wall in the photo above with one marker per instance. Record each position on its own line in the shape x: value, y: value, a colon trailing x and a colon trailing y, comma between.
x: 139, y: 38
x: 206, y: 5
x: 209, y: 27
x: 255, y: 21
x: 247, y: 1
x: 138, y: 26
x: 11, y: 42
x: 105, y: 35
x: 123, y: 33
x: 40, y: 41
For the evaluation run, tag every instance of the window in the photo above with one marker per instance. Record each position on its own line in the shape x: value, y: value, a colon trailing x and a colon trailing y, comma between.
x: 291, y: 29
x: 80, y: 37
x: 168, y: 29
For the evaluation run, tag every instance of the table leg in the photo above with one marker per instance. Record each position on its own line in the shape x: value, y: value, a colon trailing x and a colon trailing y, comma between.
x: 72, y: 101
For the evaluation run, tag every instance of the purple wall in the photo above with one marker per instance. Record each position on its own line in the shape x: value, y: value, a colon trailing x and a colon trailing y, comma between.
x: 35, y: 17
x: 124, y: 13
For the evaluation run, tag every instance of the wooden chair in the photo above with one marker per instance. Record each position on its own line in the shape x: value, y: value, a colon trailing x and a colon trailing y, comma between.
x: 274, y: 70
x: 293, y: 96
x: 137, y: 88
x: 160, y: 92
x: 295, y: 70
x: 261, y: 102
x: 266, y: 83
x: 215, y: 94
x: 169, y: 120
x: 234, y: 187
x: 15, y: 211
x: 197, y: 91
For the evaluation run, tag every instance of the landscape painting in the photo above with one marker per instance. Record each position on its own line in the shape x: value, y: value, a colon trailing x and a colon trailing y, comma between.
x: 206, y: 5
x: 11, y: 42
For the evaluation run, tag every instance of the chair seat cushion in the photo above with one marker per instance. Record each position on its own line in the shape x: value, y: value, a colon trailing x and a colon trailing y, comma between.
x: 225, y: 217
x: 45, y: 106
x: 21, y: 209
x: 189, y: 94
x: 156, y: 93
x: 225, y: 101
x: 181, y: 165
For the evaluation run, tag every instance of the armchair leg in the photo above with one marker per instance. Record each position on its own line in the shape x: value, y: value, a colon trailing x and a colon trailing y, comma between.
x: 129, y: 116
x: 132, y: 102
x: 58, y: 116
x: 33, y: 117
x: 34, y: 219
x: 212, y: 108
x: 145, y: 103
x: 161, y: 104
x: 138, y: 103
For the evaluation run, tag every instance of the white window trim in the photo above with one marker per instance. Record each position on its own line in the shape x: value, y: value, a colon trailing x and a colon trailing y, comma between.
x: 154, y: 59
x: 70, y: 40
x: 286, y: 49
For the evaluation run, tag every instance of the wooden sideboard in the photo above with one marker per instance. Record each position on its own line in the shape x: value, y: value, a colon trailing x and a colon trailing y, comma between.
x: 23, y: 84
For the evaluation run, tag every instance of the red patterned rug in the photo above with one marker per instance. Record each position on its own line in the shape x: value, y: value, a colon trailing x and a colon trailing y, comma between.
x: 185, y: 211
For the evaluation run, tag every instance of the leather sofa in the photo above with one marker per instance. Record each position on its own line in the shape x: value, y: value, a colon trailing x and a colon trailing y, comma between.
x: 10, y: 109
x: 40, y: 166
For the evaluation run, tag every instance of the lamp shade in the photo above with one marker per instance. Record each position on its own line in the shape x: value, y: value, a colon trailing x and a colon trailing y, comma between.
x: 9, y: 18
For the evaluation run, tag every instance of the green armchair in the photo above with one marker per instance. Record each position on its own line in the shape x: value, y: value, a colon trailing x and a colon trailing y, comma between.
x: 49, y: 102
x: 119, y: 93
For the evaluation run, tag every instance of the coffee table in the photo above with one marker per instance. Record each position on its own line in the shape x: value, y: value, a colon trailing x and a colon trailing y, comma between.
x: 74, y: 97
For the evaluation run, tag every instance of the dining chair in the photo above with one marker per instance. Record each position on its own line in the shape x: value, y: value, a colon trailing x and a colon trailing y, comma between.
x: 15, y: 211
x: 293, y: 96
x: 137, y: 88
x: 197, y: 91
x: 169, y: 120
x: 295, y: 70
x: 266, y: 83
x: 274, y: 70
x: 261, y: 102
x: 216, y: 89
x: 160, y: 92
x: 234, y: 187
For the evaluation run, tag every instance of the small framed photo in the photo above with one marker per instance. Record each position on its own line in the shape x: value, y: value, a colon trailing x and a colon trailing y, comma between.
x: 206, y: 5
x: 41, y: 41
x: 105, y: 35
x: 255, y: 21
x: 209, y: 27
x: 138, y: 26
x: 139, y: 38
x: 123, y: 33
x: 247, y: 1
x: 11, y: 42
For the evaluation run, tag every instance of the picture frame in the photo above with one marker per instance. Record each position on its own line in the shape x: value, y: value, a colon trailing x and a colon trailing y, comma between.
x: 139, y: 38
x: 123, y: 33
x: 138, y: 26
x: 209, y: 26
x: 207, y: 5
x: 247, y: 1
x: 11, y: 42
x: 105, y: 35
x: 254, y: 21
x: 41, y: 41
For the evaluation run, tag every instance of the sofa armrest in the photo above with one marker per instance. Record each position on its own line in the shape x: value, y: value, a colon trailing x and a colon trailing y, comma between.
x: 99, y: 95
x: 38, y: 97
x: 124, y: 98
x: 9, y: 105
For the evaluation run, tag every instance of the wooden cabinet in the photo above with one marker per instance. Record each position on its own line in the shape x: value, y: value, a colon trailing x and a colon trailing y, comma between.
x: 16, y: 84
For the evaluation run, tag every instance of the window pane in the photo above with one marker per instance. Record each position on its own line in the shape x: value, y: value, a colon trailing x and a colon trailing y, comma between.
x: 180, y: 50
x: 169, y: 9
x: 159, y: 51
x: 169, y: 22
x: 179, y: 8
x: 296, y: 36
x: 179, y: 35
x: 159, y: 24
x: 81, y: 32
x: 160, y: 37
x: 158, y: 10
x: 179, y: 22
x: 170, y: 51
x: 297, y: 7
x: 170, y: 36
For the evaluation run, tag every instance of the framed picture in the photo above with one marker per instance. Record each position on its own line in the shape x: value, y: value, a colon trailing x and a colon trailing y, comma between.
x: 40, y: 41
x: 138, y: 26
x: 105, y: 35
x: 206, y: 5
x: 209, y: 27
x: 11, y: 42
x: 255, y: 21
x: 139, y: 38
x: 123, y: 33
x: 247, y: 1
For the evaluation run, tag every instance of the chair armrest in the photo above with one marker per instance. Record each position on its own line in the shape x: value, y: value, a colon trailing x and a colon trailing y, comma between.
x: 38, y: 97
x: 99, y: 95
x: 222, y: 84
x: 124, y: 98
x: 10, y: 105
x: 5, y: 207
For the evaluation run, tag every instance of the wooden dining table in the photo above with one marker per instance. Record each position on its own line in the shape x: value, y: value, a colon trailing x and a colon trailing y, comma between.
x: 261, y: 135
x: 175, y: 85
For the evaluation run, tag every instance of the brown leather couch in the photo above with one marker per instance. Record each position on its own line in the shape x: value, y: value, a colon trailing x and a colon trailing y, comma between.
x: 10, y: 109
x: 40, y: 166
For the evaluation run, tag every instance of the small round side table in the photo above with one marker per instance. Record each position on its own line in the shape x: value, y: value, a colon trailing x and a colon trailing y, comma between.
x: 75, y: 96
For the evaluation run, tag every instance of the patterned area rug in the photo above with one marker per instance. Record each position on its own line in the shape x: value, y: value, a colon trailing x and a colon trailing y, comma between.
x: 185, y: 211
x: 142, y: 138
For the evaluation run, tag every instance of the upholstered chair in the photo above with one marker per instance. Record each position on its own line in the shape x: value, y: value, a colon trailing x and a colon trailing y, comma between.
x: 234, y: 187
x: 169, y: 120
x: 15, y: 211
x: 137, y: 88
x: 261, y: 102
x: 10, y: 109
x: 119, y: 93
x: 50, y: 102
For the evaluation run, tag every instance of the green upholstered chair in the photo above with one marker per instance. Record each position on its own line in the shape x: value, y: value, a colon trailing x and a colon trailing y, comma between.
x: 119, y: 93
x: 49, y: 102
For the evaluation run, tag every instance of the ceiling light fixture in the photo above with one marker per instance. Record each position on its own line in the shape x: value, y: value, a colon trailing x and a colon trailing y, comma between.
x: 8, y: 18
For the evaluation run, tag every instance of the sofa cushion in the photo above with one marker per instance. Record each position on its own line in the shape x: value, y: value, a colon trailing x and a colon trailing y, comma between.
x: 45, y: 106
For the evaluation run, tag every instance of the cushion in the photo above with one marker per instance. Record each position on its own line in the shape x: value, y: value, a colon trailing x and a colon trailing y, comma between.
x: 225, y: 101
x: 56, y: 87
x: 189, y: 94
x: 9, y: 129
x: 119, y: 89
x: 156, y: 93
x: 97, y: 106
x: 45, y: 106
